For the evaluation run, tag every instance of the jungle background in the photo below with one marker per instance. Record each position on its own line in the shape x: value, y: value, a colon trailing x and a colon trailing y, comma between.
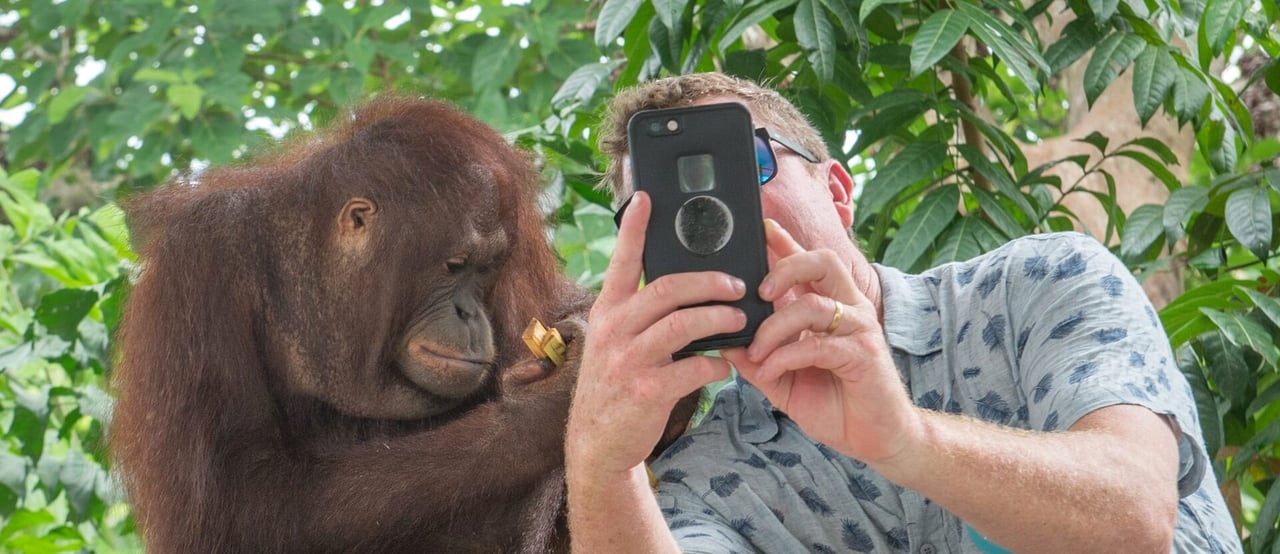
x: 1152, y: 124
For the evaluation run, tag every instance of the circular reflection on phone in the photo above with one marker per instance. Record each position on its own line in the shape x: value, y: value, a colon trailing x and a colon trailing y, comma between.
x: 704, y: 225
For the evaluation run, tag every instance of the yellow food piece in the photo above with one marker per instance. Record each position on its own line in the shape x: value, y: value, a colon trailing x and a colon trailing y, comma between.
x: 545, y: 343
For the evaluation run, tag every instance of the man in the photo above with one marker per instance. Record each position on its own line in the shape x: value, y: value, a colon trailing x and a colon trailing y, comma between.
x: 1026, y: 399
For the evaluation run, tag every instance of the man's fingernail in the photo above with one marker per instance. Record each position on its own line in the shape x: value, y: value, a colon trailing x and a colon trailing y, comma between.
x: 738, y: 286
x: 766, y: 287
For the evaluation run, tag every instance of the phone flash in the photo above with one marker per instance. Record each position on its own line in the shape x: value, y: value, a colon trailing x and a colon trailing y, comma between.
x: 672, y: 125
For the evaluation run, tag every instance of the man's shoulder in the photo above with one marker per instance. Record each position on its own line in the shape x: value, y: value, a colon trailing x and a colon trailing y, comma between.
x: 1055, y: 255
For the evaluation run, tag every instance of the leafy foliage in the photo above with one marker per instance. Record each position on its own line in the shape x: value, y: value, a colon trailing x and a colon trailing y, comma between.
x: 943, y: 97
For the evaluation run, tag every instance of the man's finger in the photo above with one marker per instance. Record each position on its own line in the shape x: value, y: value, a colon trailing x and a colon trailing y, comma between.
x: 684, y: 326
x: 779, y: 240
x: 669, y: 293
x: 622, y: 277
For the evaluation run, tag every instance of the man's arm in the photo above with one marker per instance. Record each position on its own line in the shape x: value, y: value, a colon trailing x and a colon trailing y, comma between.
x: 627, y: 386
x: 1108, y: 484
x: 1044, y: 492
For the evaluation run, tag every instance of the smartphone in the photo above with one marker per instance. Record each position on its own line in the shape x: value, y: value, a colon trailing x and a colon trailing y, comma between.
x: 699, y: 166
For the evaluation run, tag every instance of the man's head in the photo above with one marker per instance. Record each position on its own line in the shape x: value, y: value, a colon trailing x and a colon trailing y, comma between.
x: 811, y: 199
x: 768, y: 109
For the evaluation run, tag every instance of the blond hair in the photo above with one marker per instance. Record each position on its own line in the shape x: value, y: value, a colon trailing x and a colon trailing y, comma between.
x: 768, y: 109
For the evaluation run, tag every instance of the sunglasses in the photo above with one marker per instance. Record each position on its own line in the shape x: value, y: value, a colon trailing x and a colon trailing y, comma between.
x: 766, y: 160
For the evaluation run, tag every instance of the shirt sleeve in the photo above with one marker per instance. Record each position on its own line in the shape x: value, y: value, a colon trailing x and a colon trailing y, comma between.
x: 1089, y: 338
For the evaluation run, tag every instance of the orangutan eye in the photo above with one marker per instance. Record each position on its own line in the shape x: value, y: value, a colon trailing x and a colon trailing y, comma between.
x: 455, y: 264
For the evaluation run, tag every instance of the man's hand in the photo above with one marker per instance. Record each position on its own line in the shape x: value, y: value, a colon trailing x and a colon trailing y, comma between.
x: 832, y: 374
x: 627, y: 386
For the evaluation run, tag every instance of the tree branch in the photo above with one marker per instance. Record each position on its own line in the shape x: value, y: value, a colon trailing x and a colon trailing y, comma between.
x: 960, y: 85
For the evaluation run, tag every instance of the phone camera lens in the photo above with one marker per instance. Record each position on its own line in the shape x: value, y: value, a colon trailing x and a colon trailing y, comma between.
x: 655, y: 127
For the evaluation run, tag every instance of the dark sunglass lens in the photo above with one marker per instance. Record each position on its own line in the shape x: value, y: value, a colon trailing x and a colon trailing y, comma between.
x: 617, y: 216
x: 764, y: 159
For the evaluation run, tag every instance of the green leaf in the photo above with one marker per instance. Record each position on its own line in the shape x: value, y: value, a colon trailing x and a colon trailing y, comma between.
x: 1000, y: 140
x: 1097, y: 140
x: 1206, y: 403
x: 359, y: 52
x: 1156, y: 147
x: 670, y: 12
x: 62, y: 310
x: 1272, y: 77
x: 1109, y: 59
x: 1183, y: 319
x: 1268, y: 305
x: 25, y: 519
x: 1248, y: 215
x: 1007, y: 43
x: 981, y: 67
x: 996, y: 211
x: 30, y: 419
x: 814, y: 32
x: 1157, y: 168
x: 1266, y: 438
x: 186, y: 97
x: 159, y: 75
x: 1265, y: 525
x: 847, y: 20
x: 582, y: 84
x: 78, y: 476
x: 17, y: 355
x: 1178, y: 209
x: 66, y: 101
x: 1141, y: 230
x: 1262, y: 151
x: 1221, y: 144
x: 667, y: 45
x: 915, y: 162
x: 341, y: 20
x: 892, y: 111
x: 1153, y: 75
x: 13, y: 472
x: 921, y: 227
x: 216, y: 139
x: 613, y: 20
x: 1103, y: 9
x: 960, y: 241
x: 1263, y: 399
x: 1078, y: 37
x: 1244, y: 333
x: 936, y: 37
x: 1219, y: 21
x: 869, y: 6
x: 999, y: 175
x: 1225, y: 365
x: 765, y: 11
x: 495, y: 63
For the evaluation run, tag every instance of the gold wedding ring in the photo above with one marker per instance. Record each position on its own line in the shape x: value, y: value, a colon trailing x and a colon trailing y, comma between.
x: 835, y: 319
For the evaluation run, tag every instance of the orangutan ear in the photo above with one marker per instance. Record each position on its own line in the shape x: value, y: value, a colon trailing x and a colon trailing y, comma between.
x: 356, y: 216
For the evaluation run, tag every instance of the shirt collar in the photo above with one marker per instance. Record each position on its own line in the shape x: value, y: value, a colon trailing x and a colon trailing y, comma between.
x: 911, y: 320
x: 755, y: 430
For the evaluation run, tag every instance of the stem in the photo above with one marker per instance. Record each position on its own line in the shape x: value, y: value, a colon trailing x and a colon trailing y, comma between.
x: 965, y: 96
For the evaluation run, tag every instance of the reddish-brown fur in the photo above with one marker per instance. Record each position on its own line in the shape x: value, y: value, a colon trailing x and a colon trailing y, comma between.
x: 241, y: 278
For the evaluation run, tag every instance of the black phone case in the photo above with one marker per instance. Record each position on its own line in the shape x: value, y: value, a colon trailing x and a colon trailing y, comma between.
x: 723, y: 131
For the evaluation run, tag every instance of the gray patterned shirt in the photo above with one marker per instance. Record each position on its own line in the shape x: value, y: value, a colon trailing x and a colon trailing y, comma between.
x: 1033, y: 335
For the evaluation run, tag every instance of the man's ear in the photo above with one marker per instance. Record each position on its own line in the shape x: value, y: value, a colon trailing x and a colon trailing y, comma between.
x: 840, y: 185
x: 356, y: 216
